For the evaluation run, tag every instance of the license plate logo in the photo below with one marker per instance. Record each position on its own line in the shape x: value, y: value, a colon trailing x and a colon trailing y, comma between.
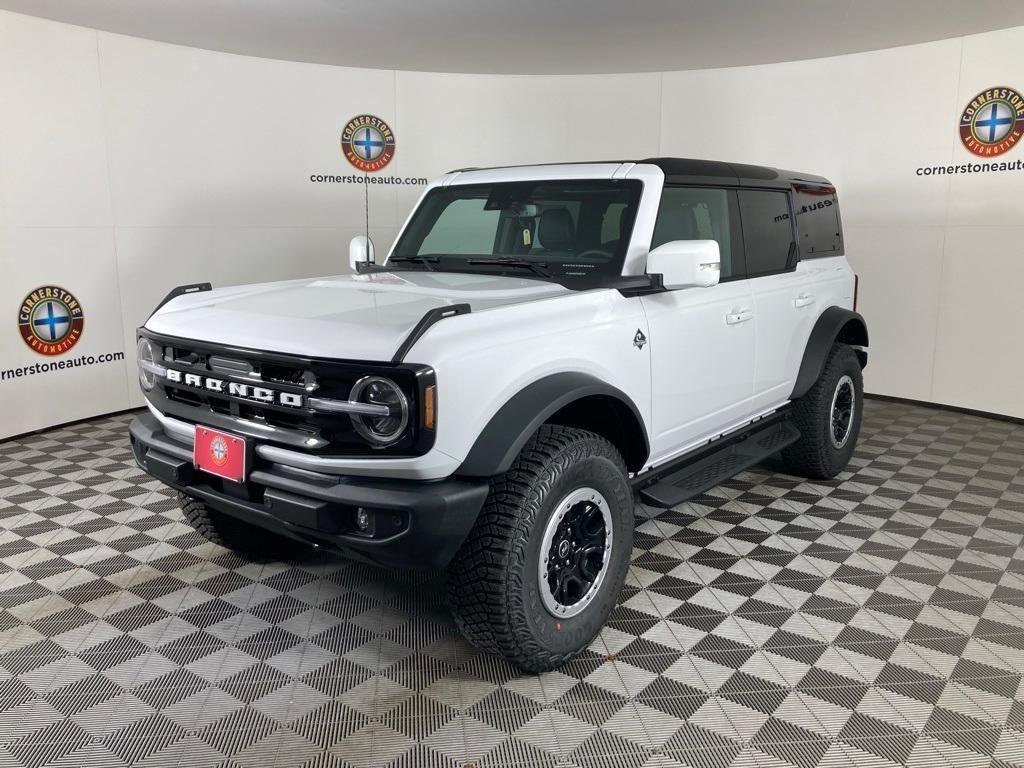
x: 220, y: 454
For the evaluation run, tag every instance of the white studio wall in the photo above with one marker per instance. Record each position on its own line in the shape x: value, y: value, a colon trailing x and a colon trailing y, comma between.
x: 129, y: 167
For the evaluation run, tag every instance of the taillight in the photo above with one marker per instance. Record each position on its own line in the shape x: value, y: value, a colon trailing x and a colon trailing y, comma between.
x: 856, y: 286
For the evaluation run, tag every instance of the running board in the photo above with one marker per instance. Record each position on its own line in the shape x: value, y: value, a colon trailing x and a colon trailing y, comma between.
x: 720, y: 464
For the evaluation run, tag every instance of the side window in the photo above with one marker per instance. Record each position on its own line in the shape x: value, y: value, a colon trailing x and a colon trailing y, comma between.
x: 693, y: 213
x: 817, y: 221
x: 767, y: 231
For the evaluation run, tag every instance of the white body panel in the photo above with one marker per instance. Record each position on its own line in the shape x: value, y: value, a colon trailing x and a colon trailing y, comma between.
x: 354, y: 317
x: 786, y: 308
x: 482, y: 361
x: 702, y: 373
x: 782, y: 329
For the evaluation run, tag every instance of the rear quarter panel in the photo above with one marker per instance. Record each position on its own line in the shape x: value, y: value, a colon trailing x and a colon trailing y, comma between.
x: 832, y: 278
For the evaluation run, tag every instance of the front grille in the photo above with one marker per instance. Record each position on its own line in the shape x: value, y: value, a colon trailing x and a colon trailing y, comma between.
x: 288, y: 426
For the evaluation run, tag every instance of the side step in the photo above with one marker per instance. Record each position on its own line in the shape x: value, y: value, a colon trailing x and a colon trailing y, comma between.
x: 708, y: 470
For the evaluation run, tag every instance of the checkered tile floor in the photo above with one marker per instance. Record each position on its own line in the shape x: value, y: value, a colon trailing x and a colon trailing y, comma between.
x: 876, y: 620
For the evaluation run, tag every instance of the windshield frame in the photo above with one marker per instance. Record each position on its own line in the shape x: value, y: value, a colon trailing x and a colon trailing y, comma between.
x: 604, y: 274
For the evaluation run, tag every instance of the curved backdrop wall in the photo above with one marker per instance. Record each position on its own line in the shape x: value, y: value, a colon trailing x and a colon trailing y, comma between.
x: 128, y: 167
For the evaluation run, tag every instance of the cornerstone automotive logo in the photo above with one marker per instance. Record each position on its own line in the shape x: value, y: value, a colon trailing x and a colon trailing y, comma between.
x: 993, y: 122
x: 50, y: 320
x: 219, y: 451
x: 368, y: 142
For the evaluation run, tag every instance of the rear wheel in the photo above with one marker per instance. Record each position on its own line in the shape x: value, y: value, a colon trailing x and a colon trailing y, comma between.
x: 828, y: 417
x: 541, y: 569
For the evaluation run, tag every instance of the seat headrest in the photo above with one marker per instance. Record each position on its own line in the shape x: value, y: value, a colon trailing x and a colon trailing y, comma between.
x: 555, y: 230
x: 682, y: 226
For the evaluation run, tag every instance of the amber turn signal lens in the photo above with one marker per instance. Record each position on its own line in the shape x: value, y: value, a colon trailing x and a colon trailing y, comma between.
x: 428, y: 407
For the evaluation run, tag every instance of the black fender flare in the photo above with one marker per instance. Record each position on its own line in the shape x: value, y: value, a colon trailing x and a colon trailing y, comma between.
x: 504, y: 436
x: 834, y: 324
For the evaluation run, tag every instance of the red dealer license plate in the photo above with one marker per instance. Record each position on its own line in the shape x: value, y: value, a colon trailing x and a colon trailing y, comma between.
x: 219, y: 454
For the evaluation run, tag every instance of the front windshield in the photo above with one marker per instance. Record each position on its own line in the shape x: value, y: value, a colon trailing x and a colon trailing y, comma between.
x: 573, y: 232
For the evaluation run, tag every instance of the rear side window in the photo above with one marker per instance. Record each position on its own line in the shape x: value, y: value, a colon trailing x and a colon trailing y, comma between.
x: 817, y: 221
x: 767, y: 232
x: 691, y: 213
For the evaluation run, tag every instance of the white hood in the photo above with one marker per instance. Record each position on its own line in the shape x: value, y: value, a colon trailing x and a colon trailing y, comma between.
x: 355, y: 317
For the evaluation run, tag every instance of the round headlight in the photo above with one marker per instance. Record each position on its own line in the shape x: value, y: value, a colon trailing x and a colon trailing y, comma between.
x: 148, y: 365
x: 383, y: 429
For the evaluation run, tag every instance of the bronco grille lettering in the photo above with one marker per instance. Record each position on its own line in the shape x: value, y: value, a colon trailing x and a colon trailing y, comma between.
x: 234, y: 389
x: 262, y: 394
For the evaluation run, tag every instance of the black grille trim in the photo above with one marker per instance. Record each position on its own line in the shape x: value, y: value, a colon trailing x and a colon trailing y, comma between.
x: 296, y: 428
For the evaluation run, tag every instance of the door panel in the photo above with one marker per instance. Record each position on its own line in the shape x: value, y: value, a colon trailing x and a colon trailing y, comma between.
x: 786, y: 307
x: 783, y: 297
x: 702, y: 365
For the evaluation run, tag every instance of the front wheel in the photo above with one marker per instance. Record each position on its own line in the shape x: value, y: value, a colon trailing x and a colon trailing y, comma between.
x: 247, y: 540
x: 828, y: 417
x: 541, y: 569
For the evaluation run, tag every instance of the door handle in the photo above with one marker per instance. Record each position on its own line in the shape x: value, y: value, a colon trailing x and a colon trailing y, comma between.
x: 739, y: 316
x: 803, y: 300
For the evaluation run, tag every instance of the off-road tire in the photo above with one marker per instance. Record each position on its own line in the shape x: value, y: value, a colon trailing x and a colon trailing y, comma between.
x: 814, y: 455
x: 493, y: 585
x: 250, y: 541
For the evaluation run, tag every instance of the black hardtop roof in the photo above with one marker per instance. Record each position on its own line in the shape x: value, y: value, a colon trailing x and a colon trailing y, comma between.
x: 681, y: 170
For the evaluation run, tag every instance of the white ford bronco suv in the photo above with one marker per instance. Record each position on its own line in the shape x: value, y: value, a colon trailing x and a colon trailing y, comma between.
x: 543, y: 347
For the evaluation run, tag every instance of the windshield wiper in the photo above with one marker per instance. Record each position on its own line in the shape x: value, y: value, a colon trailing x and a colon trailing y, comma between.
x: 538, y: 267
x: 426, y: 261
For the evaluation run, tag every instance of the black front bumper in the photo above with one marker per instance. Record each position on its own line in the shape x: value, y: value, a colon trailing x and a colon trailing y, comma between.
x: 412, y: 523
